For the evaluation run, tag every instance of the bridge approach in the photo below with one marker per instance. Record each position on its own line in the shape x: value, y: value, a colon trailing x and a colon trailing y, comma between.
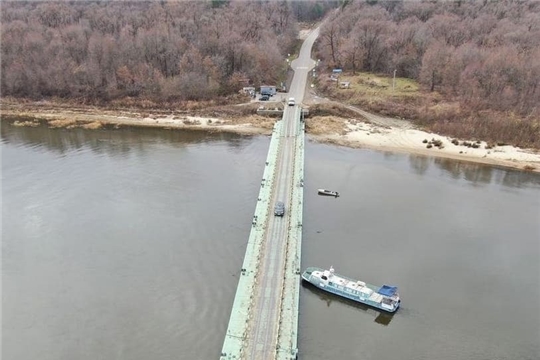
x: 264, y: 319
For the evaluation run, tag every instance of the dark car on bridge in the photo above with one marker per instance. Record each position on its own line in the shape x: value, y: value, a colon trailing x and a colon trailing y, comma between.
x: 279, y: 209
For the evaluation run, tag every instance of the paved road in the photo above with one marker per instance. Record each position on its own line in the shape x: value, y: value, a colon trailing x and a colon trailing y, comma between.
x: 264, y: 325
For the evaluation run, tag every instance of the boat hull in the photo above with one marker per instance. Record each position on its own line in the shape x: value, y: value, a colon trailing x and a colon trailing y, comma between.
x: 328, y: 287
x: 327, y: 192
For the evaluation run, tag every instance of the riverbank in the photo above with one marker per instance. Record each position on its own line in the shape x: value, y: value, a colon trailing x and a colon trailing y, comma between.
x: 413, y: 141
x: 365, y: 131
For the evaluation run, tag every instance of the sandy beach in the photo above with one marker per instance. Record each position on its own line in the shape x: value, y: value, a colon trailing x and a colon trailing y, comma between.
x: 395, y: 139
x: 366, y: 131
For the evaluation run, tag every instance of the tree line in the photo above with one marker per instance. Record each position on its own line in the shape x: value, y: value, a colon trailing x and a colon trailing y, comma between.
x: 165, y: 50
x: 486, y: 54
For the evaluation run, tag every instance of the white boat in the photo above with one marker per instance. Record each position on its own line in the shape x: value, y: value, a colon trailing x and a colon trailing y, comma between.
x: 383, y: 297
x: 328, y: 192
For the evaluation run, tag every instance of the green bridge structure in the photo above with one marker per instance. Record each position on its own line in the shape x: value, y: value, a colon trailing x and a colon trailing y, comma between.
x: 264, y: 318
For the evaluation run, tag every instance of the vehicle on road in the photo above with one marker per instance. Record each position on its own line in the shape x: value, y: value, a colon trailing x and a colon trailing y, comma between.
x: 328, y: 192
x: 279, y: 209
x: 291, y: 102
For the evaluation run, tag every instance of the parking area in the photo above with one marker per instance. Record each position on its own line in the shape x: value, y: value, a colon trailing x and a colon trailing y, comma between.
x: 278, y: 97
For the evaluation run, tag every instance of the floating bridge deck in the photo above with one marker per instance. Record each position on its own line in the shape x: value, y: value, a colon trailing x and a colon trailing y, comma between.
x: 264, y: 317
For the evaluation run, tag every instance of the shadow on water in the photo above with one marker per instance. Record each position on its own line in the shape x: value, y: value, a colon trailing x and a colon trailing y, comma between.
x: 420, y: 164
x: 381, y: 317
x: 476, y: 174
x: 109, y: 139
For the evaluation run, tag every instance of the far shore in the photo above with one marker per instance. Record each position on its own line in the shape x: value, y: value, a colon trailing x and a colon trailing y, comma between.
x: 367, y: 131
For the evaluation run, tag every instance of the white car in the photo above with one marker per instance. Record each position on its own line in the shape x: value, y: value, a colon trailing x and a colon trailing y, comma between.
x: 291, y: 102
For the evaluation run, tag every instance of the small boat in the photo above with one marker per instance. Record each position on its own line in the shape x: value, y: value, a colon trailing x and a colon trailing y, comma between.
x: 384, y: 298
x: 328, y: 192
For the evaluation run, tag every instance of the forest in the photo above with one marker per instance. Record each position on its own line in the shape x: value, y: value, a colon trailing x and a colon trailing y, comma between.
x: 482, y: 57
x: 160, y: 50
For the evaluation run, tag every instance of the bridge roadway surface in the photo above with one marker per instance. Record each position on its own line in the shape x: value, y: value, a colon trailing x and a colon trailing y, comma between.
x: 271, y: 271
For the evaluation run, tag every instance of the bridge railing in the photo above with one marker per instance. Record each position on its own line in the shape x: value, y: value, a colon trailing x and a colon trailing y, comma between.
x: 239, y: 320
x: 287, y: 347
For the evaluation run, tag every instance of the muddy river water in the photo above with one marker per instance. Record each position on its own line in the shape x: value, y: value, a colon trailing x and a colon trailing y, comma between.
x: 127, y: 244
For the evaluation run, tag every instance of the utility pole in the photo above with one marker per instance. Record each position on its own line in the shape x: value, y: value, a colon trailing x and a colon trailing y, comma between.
x: 394, y: 81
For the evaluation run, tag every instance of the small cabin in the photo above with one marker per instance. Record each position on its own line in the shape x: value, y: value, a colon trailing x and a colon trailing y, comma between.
x: 336, y: 73
x: 345, y: 85
x: 268, y: 90
x: 248, y: 90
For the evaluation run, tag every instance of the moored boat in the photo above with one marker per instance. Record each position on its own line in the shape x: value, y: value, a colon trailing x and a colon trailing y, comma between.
x: 384, y: 297
x: 328, y: 192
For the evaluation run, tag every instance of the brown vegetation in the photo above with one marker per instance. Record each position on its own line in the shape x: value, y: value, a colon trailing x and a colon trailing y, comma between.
x: 477, y: 64
x: 28, y: 123
x: 61, y: 123
x: 93, y: 125
x: 325, y: 125
x: 157, y: 51
x: 62, y: 114
x: 331, y: 110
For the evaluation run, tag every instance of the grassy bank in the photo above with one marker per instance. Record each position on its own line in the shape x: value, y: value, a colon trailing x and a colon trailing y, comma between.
x: 441, y: 114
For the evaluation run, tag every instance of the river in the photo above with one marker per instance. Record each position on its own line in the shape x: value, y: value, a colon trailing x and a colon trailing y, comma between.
x: 127, y: 244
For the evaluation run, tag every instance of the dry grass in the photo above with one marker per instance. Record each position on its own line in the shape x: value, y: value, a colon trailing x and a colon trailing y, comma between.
x: 60, y: 123
x: 93, y: 125
x: 323, y: 125
x: 125, y: 104
x: 445, y: 115
x: 377, y: 86
x: 168, y: 106
x: 492, y: 127
x: 332, y: 110
x: 228, y: 111
x: 26, y: 123
x: 263, y: 122
x: 374, y: 92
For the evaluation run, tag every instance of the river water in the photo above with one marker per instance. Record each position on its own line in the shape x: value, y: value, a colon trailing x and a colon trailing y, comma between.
x: 127, y: 244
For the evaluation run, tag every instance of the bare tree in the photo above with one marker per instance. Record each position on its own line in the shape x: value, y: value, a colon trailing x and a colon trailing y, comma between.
x: 434, y: 62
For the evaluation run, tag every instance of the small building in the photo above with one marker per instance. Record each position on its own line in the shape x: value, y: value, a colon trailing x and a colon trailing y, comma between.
x: 335, y: 74
x: 248, y: 90
x: 345, y: 85
x: 268, y: 90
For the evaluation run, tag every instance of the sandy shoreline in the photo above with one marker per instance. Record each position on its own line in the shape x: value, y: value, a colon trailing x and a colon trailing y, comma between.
x: 369, y: 131
x: 410, y: 141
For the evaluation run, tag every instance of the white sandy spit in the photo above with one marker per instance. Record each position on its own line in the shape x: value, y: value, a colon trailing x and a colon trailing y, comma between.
x: 411, y: 140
